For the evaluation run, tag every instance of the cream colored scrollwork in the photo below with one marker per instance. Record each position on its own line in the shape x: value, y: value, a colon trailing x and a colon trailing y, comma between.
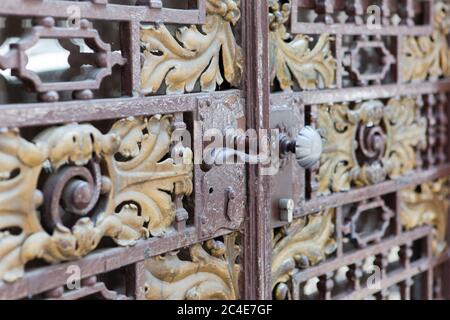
x: 195, y: 54
x: 428, y: 57
x: 385, y: 137
x: 291, y: 59
x: 210, y: 272
x: 126, y: 196
x: 427, y: 205
x: 304, y: 243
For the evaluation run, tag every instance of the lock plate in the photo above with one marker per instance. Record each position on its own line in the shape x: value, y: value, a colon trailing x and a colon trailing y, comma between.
x: 288, y: 117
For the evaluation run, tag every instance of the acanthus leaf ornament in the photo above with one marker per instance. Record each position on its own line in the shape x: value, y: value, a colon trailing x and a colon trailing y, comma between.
x: 127, y: 202
x: 194, y: 54
x: 145, y: 180
x: 304, y: 243
x: 428, y: 57
x: 210, y: 272
x: 427, y: 205
x: 369, y: 142
x: 291, y: 59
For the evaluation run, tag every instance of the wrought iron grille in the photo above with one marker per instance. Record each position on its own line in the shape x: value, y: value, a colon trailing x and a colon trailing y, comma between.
x: 105, y: 188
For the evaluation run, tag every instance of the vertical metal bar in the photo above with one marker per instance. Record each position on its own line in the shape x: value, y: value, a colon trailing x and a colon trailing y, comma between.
x: 257, y: 237
x: 446, y: 268
x: 130, y: 38
x: 430, y: 13
x: 398, y: 222
x: 294, y: 14
x: 400, y: 40
x: 428, y: 275
x: 339, y: 55
x: 201, y: 7
x: 338, y: 233
x: 135, y: 275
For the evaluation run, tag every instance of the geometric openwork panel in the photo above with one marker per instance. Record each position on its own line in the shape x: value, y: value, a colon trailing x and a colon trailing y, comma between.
x: 364, y: 250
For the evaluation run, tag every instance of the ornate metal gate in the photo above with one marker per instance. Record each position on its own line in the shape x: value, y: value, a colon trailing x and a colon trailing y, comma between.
x: 114, y: 114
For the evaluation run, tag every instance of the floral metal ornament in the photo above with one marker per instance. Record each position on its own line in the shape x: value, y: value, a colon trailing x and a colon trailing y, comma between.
x: 176, y: 64
x: 76, y: 185
x: 369, y: 142
x: 292, y: 62
x: 428, y: 57
x: 210, y: 272
x: 304, y: 243
x: 427, y: 205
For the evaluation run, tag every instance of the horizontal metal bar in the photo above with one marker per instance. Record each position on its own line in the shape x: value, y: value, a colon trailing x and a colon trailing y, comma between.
x: 101, y: 261
x: 110, y: 12
x: 306, y: 27
x: 408, y: 181
x: 364, y: 93
x: 348, y: 259
x: 351, y: 29
x: 441, y: 259
x: 395, y: 277
x: 86, y: 291
x: 33, y: 114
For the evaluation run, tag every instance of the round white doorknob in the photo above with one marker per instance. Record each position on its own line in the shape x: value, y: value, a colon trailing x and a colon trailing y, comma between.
x: 308, y: 147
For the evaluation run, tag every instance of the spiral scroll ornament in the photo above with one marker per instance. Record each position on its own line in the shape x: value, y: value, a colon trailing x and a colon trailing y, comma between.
x: 371, y: 149
x: 77, y: 185
x: 371, y: 142
x: 368, y: 142
x: 71, y: 193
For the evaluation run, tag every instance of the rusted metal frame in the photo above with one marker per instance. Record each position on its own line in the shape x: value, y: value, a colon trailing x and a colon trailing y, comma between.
x: 101, y: 261
x: 365, y: 93
x: 289, y: 118
x: 257, y: 235
x: 33, y: 114
x: 398, y: 221
x: 110, y: 12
